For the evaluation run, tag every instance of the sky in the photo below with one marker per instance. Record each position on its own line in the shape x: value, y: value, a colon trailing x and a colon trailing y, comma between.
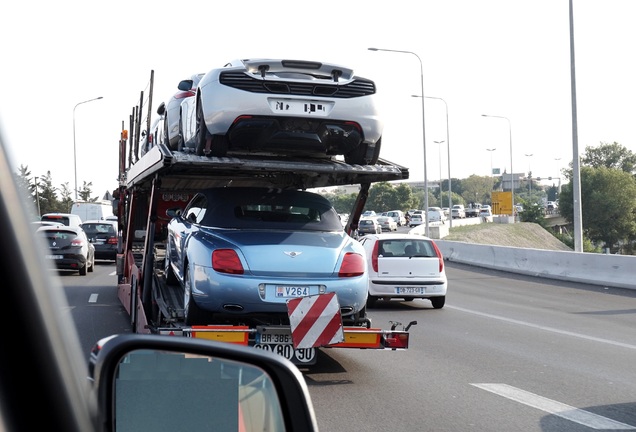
x: 508, y: 59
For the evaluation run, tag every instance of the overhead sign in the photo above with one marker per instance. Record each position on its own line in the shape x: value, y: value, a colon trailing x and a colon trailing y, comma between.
x: 315, y: 320
x: 496, y: 171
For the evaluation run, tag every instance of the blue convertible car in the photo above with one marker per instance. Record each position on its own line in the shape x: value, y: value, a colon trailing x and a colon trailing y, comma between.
x: 241, y: 253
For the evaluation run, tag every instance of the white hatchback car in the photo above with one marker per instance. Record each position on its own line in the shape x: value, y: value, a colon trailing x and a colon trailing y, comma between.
x: 405, y: 266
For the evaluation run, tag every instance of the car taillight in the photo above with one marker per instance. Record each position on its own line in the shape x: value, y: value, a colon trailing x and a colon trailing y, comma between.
x: 227, y: 261
x: 374, y: 256
x: 184, y: 94
x: 77, y: 243
x: 352, y: 265
x: 112, y: 240
x: 439, y: 257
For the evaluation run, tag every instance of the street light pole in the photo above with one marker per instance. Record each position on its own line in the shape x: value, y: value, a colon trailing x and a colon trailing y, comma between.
x: 423, y: 132
x: 439, y: 145
x: 37, y: 197
x: 450, y: 197
x: 74, y: 146
x: 529, y: 174
x: 512, y: 180
x: 490, y: 150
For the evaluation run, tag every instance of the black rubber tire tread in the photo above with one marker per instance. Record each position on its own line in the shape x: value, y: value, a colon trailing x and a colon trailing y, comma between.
x: 438, y: 302
x: 193, y: 315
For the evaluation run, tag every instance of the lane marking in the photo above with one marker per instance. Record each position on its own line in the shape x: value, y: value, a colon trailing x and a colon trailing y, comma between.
x: 553, y: 407
x: 93, y: 298
x: 550, y: 329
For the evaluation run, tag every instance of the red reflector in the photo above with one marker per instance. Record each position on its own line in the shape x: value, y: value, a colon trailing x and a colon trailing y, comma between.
x: 396, y: 340
x: 226, y: 261
x: 352, y: 265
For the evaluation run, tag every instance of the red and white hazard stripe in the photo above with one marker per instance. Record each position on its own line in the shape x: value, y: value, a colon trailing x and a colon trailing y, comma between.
x: 315, y: 321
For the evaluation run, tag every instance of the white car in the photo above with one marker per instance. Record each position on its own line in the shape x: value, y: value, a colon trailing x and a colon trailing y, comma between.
x: 285, y: 108
x: 485, y: 211
x: 172, y: 111
x: 436, y: 214
x: 458, y: 211
x: 404, y: 266
x: 416, y: 219
x: 387, y: 223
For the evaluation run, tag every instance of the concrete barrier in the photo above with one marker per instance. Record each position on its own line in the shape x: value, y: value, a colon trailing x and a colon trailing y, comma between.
x: 598, y: 269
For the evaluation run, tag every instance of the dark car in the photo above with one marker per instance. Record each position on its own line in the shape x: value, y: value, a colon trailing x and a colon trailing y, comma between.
x: 69, y: 248
x: 104, y: 237
x: 243, y: 251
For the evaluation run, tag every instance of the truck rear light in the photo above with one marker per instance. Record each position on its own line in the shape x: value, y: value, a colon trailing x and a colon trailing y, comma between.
x: 397, y: 340
x: 227, y: 261
x: 439, y: 257
x: 352, y: 265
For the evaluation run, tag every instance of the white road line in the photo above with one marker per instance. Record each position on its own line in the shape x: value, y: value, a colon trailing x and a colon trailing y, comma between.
x: 550, y: 329
x: 558, y: 409
x: 93, y: 298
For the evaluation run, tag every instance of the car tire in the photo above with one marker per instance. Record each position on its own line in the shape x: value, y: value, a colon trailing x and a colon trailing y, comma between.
x: 83, y: 271
x: 202, y: 133
x: 371, y: 300
x: 91, y: 268
x: 192, y: 314
x: 438, y: 302
x: 360, y: 155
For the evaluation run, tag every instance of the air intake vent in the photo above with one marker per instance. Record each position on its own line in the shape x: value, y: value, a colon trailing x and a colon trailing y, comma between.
x: 242, y: 81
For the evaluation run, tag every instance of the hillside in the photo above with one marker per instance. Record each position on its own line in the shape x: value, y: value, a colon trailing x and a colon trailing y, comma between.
x: 523, y: 234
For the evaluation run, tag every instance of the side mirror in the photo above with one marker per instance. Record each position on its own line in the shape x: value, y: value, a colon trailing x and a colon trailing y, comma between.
x: 185, y: 85
x: 161, y: 109
x: 173, y: 212
x: 168, y: 383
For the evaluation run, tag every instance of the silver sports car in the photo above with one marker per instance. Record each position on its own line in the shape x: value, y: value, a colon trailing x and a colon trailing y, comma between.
x: 242, y: 253
x: 284, y: 107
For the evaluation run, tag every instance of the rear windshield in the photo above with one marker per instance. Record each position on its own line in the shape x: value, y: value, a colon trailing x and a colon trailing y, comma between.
x: 406, y: 248
x: 99, y: 228
x: 258, y: 208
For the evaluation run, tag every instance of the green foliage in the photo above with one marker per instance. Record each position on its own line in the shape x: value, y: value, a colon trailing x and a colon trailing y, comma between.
x: 477, y: 189
x: 46, y: 197
x: 588, y: 246
x: 612, y: 156
x: 532, y: 212
x: 608, y: 205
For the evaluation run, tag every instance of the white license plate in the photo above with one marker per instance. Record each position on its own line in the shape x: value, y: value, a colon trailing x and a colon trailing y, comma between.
x: 54, y: 257
x: 292, y: 291
x: 410, y: 290
x: 299, y: 356
x: 300, y: 107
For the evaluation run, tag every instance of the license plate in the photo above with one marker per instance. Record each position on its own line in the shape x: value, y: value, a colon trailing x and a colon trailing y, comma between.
x: 410, y: 290
x: 273, y: 338
x: 304, y: 107
x: 292, y: 291
x: 54, y: 257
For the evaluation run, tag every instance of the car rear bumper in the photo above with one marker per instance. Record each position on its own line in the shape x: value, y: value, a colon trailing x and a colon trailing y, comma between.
x: 389, y: 288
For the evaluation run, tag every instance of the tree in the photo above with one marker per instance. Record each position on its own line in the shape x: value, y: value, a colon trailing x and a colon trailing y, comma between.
x: 477, y: 188
x: 608, y: 198
x: 85, y: 192
x: 614, y: 156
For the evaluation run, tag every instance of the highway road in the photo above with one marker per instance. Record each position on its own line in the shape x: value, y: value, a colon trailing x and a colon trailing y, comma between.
x: 506, y: 353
